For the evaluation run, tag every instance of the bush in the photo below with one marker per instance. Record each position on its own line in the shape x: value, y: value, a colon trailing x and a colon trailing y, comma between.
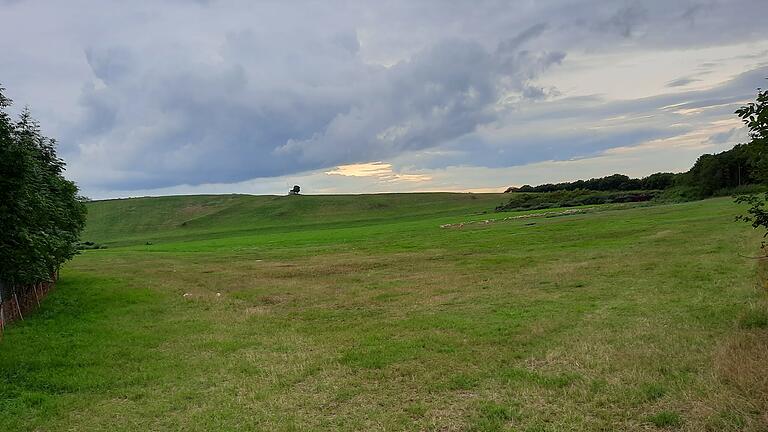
x: 90, y: 245
x: 561, y: 198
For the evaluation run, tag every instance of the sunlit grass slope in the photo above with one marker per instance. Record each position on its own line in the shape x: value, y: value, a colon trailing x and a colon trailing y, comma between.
x: 361, y: 313
x: 189, y: 217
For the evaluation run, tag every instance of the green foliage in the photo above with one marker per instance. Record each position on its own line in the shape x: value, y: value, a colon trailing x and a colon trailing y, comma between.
x: 729, y: 169
x: 615, y: 182
x: 564, y: 198
x: 41, y: 215
x: 755, y: 116
x: 757, y: 214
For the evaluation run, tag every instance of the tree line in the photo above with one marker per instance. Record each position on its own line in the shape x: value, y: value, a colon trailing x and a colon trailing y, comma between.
x: 41, y: 212
x: 711, y: 175
x: 615, y: 182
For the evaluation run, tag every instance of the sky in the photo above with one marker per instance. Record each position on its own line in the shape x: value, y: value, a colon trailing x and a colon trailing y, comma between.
x: 215, y: 96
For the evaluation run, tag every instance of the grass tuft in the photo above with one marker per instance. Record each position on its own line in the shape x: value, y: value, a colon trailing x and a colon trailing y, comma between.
x: 491, y: 416
x: 652, y: 392
x: 666, y: 419
x: 754, y: 318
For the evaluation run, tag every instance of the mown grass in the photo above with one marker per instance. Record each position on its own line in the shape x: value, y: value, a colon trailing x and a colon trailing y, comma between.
x: 264, y: 319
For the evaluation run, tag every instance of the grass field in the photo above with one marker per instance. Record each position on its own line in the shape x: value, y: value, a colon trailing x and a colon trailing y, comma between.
x: 361, y: 313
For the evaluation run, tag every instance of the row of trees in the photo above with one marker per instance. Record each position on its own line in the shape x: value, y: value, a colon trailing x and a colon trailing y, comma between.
x: 41, y: 213
x: 723, y: 171
x: 615, y: 182
x: 712, y: 174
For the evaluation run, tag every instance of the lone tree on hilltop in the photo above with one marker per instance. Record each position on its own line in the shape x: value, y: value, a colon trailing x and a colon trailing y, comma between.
x: 295, y: 190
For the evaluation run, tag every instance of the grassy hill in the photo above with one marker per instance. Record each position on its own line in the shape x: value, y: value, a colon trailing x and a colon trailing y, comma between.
x: 362, y: 313
x: 127, y: 221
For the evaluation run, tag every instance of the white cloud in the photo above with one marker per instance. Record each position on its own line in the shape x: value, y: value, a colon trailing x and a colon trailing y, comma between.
x: 381, y: 171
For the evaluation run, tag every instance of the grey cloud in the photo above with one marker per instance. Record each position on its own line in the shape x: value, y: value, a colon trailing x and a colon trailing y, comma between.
x: 529, y: 148
x: 110, y: 64
x: 193, y: 123
x: 759, y: 55
x: 348, y: 41
x: 682, y: 81
x: 147, y: 94
x: 661, y: 23
x: 442, y: 93
x: 691, y: 12
x: 532, y: 92
x: 626, y: 20
x: 551, y: 133
x: 735, y: 135
x: 514, y: 43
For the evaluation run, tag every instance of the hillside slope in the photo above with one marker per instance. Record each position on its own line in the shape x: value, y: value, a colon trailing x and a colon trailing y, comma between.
x: 130, y: 221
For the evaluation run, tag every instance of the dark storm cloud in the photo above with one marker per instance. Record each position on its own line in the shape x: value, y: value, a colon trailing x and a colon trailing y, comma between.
x: 229, y: 122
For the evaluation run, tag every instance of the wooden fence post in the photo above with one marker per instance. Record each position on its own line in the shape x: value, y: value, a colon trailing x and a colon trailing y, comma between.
x: 18, y: 306
x: 37, y: 297
x: 2, y: 310
x: 2, y: 319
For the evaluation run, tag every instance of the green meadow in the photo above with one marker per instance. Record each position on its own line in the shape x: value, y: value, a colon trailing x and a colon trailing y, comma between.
x: 358, y: 313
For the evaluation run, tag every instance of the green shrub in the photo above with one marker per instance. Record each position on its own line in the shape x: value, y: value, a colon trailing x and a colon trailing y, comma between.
x: 89, y: 245
x: 563, y: 198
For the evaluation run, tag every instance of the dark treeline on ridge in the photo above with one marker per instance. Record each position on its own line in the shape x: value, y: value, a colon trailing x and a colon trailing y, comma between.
x: 615, y: 182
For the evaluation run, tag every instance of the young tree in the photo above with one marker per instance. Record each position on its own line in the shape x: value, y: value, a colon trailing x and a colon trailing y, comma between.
x: 41, y: 214
x: 755, y: 116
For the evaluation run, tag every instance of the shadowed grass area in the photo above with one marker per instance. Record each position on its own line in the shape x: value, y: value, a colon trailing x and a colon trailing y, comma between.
x: 257, y: 319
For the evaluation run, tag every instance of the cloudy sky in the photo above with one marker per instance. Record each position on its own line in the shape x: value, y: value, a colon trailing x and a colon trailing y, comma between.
x: 150, y: 97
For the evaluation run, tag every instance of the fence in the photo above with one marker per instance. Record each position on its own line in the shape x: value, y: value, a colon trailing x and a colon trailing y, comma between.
x: 18, y: 301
